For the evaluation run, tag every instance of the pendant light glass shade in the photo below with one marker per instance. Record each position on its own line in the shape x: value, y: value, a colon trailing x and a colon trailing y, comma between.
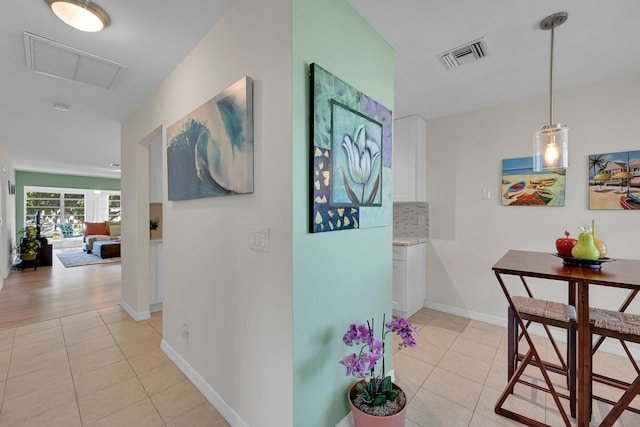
x: 83, y: 15
x: 551, y: 143
x: 551, y: 147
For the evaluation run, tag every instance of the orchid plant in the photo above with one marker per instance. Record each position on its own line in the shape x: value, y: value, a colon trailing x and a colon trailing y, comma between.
x: 376, y: 389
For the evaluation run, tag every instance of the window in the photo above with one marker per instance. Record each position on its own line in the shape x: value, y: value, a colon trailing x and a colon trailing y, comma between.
x: 73, y: 206
x: 114, y: 207
x: 50, y: 206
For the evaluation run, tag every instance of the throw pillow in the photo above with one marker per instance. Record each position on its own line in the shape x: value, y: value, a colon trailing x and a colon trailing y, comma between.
x: 95, y: 228
x: 114, y: 230
x: 111, y: 223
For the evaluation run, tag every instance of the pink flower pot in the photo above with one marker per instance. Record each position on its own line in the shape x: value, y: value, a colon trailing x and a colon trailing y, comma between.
x: 361, y: 419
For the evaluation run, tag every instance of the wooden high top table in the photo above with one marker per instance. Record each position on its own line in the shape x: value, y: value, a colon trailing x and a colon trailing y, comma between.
x: 620, y: 273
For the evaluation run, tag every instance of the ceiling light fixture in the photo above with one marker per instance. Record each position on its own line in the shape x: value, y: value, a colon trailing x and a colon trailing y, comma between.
x: 83, y: 15
x: 551, y: 143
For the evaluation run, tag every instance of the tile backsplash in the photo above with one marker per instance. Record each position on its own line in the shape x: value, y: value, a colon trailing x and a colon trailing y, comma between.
x: 411, y: 219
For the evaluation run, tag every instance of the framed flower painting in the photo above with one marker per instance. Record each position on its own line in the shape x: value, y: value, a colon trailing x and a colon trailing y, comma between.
x: 351, y: 157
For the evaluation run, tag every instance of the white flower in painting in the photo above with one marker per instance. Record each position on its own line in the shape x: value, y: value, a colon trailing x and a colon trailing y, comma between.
x: 361, y: 155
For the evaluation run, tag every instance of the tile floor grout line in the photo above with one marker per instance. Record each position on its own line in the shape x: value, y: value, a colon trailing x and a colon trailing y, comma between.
x: 73, y: 381
x: 6, y: 376
x: 164, y: 423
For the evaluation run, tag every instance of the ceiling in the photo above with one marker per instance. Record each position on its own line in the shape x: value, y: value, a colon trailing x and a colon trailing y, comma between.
x: 596, y: 43
x: 150, y: 37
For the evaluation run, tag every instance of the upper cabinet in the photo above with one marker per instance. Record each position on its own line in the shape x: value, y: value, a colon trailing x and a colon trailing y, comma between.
x: 410, y: 159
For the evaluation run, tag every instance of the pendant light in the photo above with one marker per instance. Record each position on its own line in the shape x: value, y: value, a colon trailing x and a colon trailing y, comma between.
x: 83, y: 15
x: 551, y: 143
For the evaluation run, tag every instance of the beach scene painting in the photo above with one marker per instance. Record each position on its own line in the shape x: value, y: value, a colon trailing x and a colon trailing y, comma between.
x: 521, y: 186
x: 210, y: 150
x: 614, y: 181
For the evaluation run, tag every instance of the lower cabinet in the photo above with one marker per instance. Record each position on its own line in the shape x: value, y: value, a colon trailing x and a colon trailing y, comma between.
x: 155, y: 277
x: 409, y: 279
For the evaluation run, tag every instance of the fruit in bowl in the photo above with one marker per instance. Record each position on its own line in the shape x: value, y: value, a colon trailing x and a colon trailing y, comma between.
x: 585, y: 249
x: 564, y: 245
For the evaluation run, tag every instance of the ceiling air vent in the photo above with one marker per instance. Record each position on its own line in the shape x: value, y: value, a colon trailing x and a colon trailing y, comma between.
x: 54, y: 59
x: 468, y: 52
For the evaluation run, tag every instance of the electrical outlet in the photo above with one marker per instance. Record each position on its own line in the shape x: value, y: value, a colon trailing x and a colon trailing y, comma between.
x: 185, y: 331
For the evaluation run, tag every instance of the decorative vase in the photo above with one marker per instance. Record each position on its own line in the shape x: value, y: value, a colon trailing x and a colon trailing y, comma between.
x: 153, y: 234
x: 362, y: 419
x: 27, y: 257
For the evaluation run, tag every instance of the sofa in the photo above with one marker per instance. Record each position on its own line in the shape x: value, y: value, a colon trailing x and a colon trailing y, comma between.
x: 99, y: 232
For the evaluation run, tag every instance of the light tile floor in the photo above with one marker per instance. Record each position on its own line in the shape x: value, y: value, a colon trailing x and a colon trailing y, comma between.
x: 459, y: 369
x: 98, y: 368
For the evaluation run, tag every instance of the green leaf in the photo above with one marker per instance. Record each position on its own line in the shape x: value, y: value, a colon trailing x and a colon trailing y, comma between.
x: 380, y: 400
x: 391, y: 394
x: 386, y: 383
x: 352, y: 194
x: 374, y: 191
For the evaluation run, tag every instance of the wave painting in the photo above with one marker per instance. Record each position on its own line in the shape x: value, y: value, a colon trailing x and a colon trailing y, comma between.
x: 210, y: 151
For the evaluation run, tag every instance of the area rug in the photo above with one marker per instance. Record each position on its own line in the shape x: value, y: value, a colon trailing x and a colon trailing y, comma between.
x: 76, y: 259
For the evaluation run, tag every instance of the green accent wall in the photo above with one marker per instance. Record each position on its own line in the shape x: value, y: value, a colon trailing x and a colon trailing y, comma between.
x: 339, y: 277
x: 38, y: 179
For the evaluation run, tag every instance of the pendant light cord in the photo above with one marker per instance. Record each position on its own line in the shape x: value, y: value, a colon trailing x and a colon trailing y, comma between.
x: 551, y: 79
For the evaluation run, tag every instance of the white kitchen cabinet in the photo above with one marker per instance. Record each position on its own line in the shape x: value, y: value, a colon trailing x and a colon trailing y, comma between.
x: 409, y: 279
x: 410, y: 159
x: 155, y: 276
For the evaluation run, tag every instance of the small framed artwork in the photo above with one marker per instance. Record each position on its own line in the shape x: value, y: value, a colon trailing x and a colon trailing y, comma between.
x: 350, y: 157
x: 614, y: 181
x: 521, y: 186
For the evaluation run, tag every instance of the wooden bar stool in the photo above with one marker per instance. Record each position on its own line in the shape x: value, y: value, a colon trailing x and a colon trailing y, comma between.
x: 624, y: 327
x: 546, y: 313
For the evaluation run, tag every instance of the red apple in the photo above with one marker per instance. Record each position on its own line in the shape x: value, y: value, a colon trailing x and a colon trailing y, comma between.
x: 565, y: 244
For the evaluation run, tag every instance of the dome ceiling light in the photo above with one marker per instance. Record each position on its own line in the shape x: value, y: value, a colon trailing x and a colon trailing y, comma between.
x: 83, y: 15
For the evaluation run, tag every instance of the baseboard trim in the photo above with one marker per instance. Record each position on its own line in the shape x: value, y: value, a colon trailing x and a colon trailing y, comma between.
x: 536, y: 329
x: 207, y: 391
x: 347, y: 421
x: 134, y: 314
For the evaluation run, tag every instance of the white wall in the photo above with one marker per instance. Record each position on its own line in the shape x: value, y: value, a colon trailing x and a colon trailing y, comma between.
x: 468, y: 234
x: 235, y: 301
x: 7, y: 216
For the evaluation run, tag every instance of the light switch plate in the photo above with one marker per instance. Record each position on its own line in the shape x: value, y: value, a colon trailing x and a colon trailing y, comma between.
x: 259, y: 239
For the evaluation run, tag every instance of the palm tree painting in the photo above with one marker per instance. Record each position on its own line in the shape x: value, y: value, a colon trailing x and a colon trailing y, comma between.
x: 614, y: 180
x: 351, y: 157
x: 210, y: 151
